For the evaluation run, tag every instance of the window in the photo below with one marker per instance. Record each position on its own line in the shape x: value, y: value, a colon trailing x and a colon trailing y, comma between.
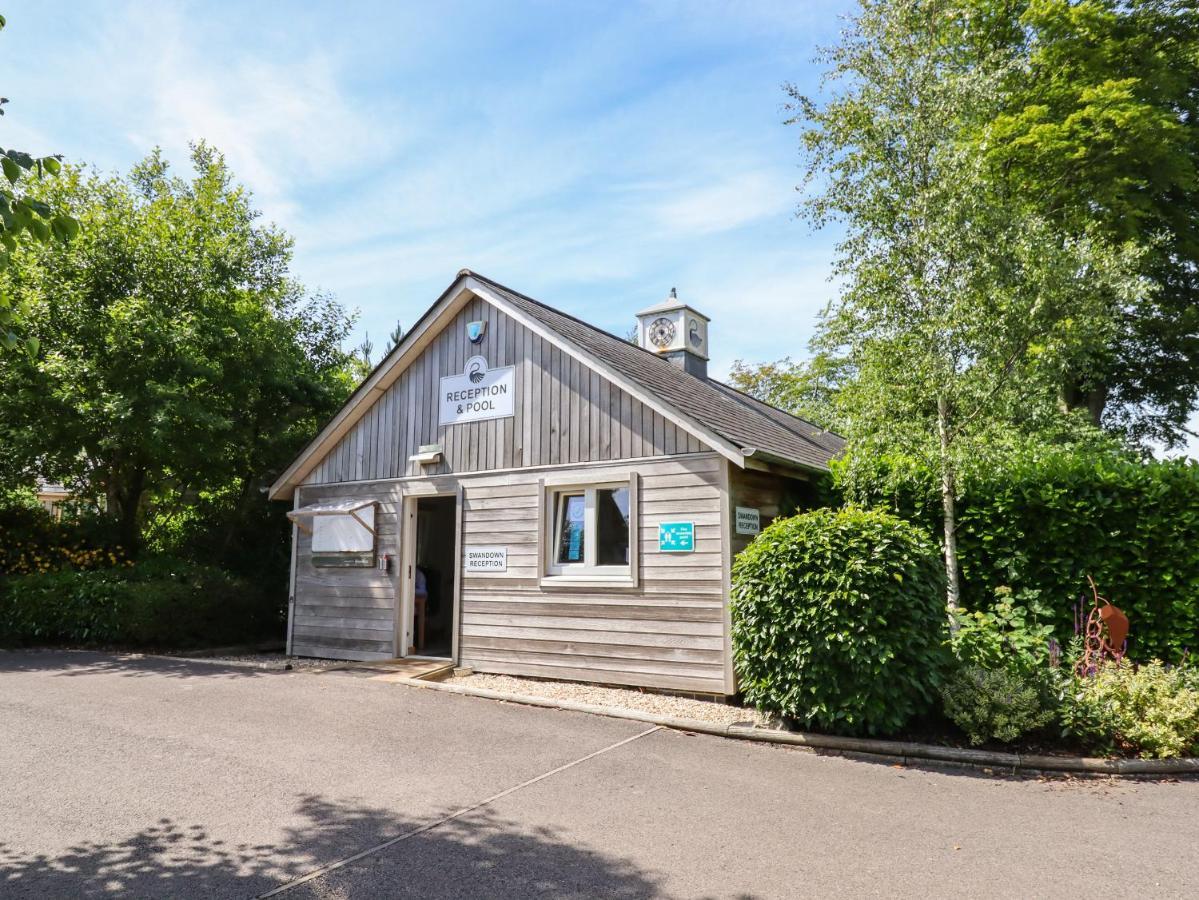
x: 589, y: 531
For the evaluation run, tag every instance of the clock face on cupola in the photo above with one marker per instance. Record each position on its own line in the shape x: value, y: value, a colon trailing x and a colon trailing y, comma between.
x: 675, y: 330
x: 661, y: 332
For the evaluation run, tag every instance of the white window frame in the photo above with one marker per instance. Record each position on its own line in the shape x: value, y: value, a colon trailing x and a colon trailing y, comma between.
x: 586, y: 572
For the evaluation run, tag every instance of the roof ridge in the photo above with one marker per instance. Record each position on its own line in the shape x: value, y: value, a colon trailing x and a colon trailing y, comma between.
x: 573, y: 318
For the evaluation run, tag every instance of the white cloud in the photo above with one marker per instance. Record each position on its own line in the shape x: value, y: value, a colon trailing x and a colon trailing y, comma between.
x: 733, y: 201
x: 284, y: 123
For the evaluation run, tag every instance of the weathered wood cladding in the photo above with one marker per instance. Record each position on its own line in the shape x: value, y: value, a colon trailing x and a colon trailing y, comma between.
x: 565, y: 413
x: 347, y: 613
x: 772, y: 495
x: 667, y: 632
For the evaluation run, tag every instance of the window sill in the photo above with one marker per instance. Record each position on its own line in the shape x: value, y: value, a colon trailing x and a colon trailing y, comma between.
x: 626, y: 581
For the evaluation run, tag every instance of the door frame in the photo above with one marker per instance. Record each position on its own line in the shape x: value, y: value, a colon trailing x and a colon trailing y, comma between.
x: 406, y: 607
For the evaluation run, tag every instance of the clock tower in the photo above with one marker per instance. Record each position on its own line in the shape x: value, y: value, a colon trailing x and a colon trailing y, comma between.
x: 674, y: 330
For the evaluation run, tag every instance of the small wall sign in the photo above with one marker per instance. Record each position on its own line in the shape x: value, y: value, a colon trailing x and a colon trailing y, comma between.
x: 486, y: 559
x: 478, y: 393
x: 749, y: 520
x: 676, y: 537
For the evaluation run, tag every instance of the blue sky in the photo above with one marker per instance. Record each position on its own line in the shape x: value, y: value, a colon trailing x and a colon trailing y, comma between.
x: 592, y: 155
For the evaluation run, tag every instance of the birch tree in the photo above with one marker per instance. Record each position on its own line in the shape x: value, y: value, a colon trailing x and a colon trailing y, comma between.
x: 961, y: 306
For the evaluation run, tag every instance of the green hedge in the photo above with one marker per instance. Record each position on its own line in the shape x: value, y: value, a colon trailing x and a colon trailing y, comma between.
x: 1043, y: 520
x: 839, y: 620
x: 156, y: 604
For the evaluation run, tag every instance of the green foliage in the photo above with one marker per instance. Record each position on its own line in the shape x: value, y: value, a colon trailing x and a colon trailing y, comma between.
x: 999, y: 689
x: 1042, y: 519
x: 838, y: 620
x: 161, y: 603
x: 995, y: 704
x: 1082, y: 120
x: 1099, y: 129
x: 178, y: 358
x: 1151, y: 710
x: 34, y: 542
x: 962, y: 305
x: 21, y: 214
x: 1011, y: 634
x: 807, y: 389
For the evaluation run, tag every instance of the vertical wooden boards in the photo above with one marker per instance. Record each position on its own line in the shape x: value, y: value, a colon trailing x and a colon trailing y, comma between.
x: 564, y: 413
x: 345, y: 613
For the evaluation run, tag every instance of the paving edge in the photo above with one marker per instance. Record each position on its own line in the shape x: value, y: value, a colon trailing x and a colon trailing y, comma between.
x: 889, y: 751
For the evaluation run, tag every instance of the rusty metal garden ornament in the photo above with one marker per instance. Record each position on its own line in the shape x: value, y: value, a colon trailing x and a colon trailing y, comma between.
x: 1104, y: 634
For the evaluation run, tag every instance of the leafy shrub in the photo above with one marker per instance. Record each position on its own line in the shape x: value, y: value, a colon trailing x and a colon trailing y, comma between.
x: 1009, y: 635
x: 1000, y: 688
x: 995, y: 704
x: 159, y: 603
x: 839, y: 620
x: 34, y: 542
x: 1151, y: 710
x: 1045, y: 518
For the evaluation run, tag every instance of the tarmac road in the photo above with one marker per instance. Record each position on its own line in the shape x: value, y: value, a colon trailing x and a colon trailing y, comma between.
x: 142, y: 777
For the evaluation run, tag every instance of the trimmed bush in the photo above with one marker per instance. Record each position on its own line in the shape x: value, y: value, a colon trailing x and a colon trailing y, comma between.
x: 995, y: 704
x: 839, y: 620
x: 1151, y: 710
x: 157, y: 604
x: 1043, y: 519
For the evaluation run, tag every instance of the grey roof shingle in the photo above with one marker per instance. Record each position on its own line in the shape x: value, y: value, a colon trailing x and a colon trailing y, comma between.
x: 738, y: 418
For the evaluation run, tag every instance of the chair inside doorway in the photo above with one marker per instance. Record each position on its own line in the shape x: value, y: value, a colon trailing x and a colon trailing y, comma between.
x: 433, y: 612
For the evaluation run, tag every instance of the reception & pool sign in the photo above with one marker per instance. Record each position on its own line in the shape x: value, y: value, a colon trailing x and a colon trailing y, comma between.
x: 478, y: 393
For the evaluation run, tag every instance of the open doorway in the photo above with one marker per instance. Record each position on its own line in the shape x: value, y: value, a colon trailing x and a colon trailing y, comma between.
x: 433, y: 577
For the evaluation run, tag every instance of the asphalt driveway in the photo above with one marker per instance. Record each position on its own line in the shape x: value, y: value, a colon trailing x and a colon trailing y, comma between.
x: 152, y: 778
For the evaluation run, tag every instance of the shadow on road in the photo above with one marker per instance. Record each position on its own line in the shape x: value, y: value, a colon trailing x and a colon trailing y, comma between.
x: 477, y: 855
x: 87, y: 662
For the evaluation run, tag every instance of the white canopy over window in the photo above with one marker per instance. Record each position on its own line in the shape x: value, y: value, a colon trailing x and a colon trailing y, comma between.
x: 345, y: 525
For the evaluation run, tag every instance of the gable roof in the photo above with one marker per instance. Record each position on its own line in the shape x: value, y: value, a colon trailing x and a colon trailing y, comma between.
x: 747, y: 423
x: 735, y: 424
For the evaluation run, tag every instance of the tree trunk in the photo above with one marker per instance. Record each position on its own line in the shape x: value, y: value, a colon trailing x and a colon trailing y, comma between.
x: 124, y: 502
x: 948, y: 510
x: 1093, y: 398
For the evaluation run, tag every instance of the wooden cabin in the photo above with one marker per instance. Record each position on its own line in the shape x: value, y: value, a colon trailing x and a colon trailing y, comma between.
x: 520, y: 492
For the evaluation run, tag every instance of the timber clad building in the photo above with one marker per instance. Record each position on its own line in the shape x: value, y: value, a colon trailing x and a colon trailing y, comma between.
x: 520, y: 492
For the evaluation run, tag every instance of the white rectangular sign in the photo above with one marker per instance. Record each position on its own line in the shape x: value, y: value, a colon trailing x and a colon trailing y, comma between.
x: 344, y: 534
x: 478, y: 393
x: 486, y: 559
x: 749, y: 520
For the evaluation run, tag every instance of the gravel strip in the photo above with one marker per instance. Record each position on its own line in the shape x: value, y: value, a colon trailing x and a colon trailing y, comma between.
x: 623, y: 698
x: 266, y: 661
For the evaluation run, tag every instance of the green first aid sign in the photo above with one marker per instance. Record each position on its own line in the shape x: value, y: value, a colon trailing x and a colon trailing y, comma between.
x: 676, y: 537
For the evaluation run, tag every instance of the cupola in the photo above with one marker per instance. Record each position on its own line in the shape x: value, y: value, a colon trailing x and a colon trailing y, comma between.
x: 676, y: 331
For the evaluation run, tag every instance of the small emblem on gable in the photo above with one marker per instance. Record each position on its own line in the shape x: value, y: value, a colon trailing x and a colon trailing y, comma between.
x: 476, y: 369
x: 475, y: 331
